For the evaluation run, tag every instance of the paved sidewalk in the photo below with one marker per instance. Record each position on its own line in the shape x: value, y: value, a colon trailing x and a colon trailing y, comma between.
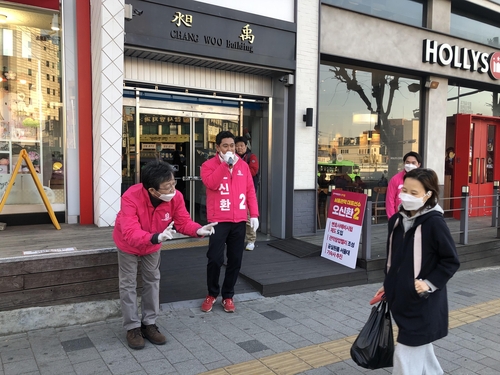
x: 307, y: 333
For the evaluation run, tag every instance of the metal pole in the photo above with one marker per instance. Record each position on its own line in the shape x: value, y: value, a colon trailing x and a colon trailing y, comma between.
x: 366, y: 230
x: 494, y: 211
x: 464, y: 216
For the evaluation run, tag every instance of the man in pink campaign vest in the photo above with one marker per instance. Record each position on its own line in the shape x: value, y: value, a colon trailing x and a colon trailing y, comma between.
x: 411, y: 161
x: 146, y: 219
x: 230, y: 195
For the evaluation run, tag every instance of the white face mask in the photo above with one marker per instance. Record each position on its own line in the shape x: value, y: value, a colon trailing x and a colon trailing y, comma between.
x: 409, y: 167
x: 167, y: 197
x: 228, y: 157
x: 411, y: 203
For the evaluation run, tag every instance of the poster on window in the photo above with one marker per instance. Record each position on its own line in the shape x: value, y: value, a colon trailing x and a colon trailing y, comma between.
x: 343, y: 227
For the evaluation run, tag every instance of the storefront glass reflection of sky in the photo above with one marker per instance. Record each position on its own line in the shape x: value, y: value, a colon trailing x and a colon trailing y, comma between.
x: 471, y: 101
x: 338, y: 104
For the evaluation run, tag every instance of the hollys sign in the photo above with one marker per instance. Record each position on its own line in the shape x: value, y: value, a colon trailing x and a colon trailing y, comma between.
x: 461, y: 58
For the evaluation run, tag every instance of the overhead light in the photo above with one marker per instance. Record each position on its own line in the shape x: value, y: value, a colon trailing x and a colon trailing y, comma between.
x: 3, y: 18
x: 55, y: 22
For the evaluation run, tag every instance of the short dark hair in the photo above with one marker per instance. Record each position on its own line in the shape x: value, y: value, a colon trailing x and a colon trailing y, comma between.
x: 241, y: 139
x: 415, y: 155
x: 223, y: 134
x: 155, y: 172
x: 429, y: 179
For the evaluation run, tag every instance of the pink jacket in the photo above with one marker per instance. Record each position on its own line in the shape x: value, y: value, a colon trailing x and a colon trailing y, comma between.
x: 138, y: 220
x: 392, y: 200
x: 230, y: 195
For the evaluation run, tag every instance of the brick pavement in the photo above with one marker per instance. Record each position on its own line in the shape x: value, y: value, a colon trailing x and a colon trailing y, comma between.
x: 307, y: 333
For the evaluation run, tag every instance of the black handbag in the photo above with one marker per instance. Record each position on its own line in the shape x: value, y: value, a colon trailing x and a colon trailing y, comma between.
x: 374, y: 346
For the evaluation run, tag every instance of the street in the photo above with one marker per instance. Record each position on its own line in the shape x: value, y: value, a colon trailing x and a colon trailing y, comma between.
x: 307, y: 333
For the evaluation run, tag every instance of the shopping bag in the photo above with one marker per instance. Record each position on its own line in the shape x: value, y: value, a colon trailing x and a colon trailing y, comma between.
x: 374, y: 346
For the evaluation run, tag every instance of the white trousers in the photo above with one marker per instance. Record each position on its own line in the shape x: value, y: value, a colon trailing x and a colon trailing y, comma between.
x: 150, y: 301
x: 416, y: 360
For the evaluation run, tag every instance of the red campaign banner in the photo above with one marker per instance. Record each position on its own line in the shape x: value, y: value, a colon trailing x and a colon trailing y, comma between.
x: 49, y: 4
x: 347, y: 206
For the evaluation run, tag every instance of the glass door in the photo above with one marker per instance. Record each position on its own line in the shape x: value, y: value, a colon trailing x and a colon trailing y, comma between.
x: 185, y: 139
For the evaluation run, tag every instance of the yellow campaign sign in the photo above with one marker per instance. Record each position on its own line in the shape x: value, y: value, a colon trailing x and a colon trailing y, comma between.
x: 23, y: 155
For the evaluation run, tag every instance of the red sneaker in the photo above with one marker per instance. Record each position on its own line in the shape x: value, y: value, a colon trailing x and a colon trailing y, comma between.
x: 228, y: 305
x: 206, y: 306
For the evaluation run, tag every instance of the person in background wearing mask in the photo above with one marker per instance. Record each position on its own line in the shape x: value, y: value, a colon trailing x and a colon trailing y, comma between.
x: 449, y: 161
x: 251, y: 159
x: 145, y: 220
x: 421, y: 259
x: 230, y: 195
x: 411, y: 161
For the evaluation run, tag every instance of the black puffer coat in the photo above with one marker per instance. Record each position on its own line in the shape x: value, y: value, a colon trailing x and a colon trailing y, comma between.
x: 420, y: 320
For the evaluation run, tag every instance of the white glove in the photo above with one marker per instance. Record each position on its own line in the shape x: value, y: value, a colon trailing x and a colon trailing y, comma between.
x: 206, y: 230
x: 254, y: 223
x: 168, y: 233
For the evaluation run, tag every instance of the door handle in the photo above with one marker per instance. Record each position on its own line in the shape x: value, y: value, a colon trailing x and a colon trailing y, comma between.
x: 478, y: 171
x: 484, y: 170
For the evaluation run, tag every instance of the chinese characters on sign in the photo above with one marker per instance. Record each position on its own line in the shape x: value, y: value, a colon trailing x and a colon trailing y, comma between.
x: 185, y: 19
x: 246, y: 34
x: 343, y: 227
x: 179, y: 19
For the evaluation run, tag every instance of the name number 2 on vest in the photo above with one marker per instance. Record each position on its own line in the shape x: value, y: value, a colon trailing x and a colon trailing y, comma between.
x: 242, y: 202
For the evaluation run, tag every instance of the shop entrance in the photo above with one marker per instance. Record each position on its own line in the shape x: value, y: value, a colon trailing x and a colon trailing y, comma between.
x: 180, y: 128
x: 183, y: 137
x: 476, y: 162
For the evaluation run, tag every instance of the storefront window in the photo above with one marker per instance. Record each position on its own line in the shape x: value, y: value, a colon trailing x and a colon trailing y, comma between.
x: 410, y: 12
x: 30, y: 111
x: 368, y: 119
x: 472, y: 101
x: 476, y: 29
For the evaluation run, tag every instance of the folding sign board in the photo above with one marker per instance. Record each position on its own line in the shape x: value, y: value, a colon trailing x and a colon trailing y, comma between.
x: 23, y: 155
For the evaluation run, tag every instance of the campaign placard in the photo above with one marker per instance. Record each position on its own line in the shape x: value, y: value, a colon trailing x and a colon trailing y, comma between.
x: 343, y: 227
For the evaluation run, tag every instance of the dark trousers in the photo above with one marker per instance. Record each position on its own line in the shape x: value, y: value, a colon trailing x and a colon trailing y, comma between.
x: 231, y: 236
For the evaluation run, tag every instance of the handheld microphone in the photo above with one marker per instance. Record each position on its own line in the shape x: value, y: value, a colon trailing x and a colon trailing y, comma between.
x: 230, y: 162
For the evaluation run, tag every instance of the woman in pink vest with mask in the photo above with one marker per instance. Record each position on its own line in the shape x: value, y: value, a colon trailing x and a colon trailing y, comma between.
x: 412, y: 160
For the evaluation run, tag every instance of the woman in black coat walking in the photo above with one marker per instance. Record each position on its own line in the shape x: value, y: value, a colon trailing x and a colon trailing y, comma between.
x: 421, y: 258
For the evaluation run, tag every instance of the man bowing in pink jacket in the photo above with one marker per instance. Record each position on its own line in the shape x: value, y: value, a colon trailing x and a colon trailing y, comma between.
x: 146, y: 219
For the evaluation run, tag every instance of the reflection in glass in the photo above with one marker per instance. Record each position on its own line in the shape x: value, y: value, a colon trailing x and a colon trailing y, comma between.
x: 369, y: 118
x: 472, y: 101
x: 477, y: 31
x: 409, y: 12
x: 31, y: 108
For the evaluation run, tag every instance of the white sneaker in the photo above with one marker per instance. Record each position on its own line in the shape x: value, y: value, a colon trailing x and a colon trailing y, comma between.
x: 250, y: 246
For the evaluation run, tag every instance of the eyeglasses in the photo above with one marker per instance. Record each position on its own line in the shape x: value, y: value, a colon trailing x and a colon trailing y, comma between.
x: 169, y: 188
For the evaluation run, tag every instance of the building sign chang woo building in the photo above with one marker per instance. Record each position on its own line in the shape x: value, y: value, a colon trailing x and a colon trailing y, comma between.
x: 206, y: 31
x: 461, y: 58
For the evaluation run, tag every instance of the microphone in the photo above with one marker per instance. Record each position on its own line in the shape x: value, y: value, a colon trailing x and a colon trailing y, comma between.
x: 230, y: 162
